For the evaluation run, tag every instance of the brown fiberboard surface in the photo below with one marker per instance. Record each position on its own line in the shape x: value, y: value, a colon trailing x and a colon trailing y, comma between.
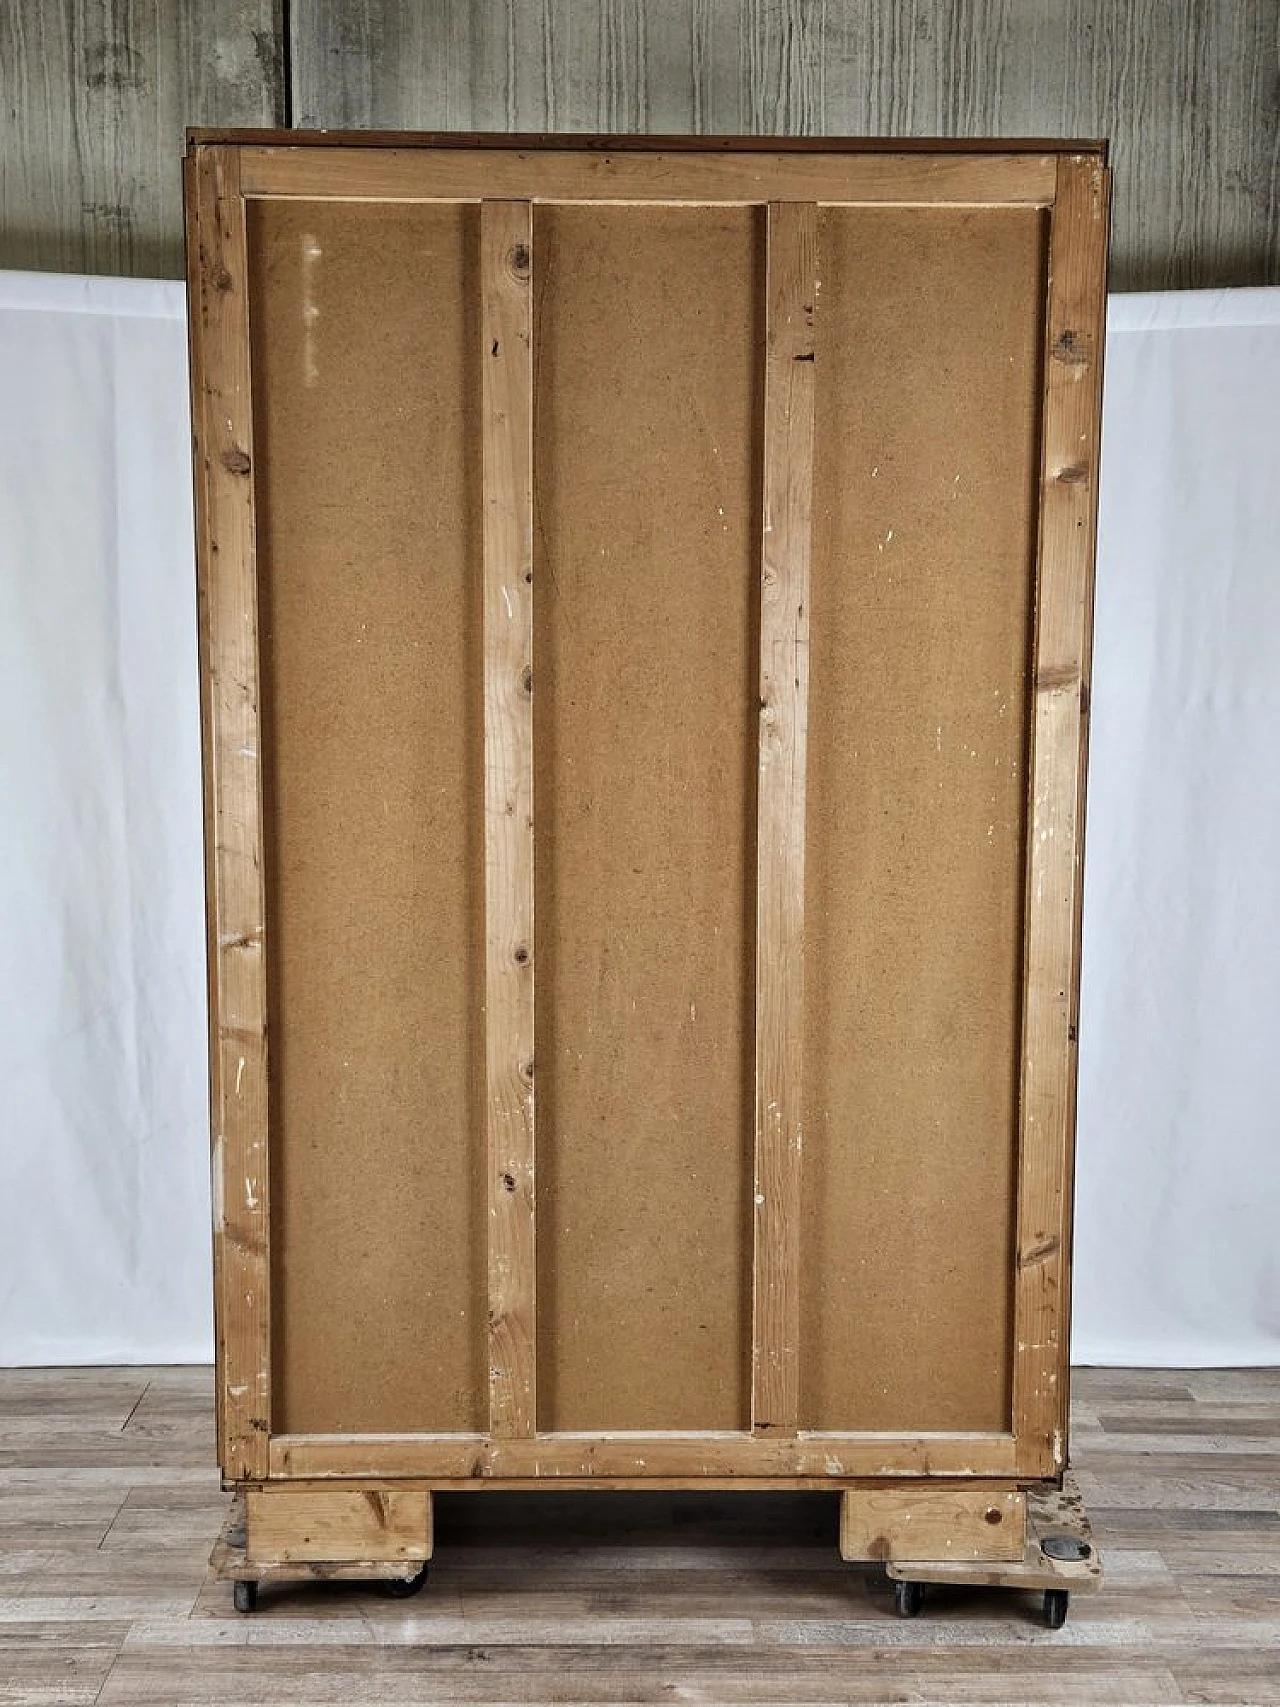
x: 648, y: 326
x: 927, y: 412
x: 367, y: 483
x: 647, y: 394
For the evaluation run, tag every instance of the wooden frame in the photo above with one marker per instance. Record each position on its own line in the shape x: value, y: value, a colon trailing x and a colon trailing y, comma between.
x: 1064, y: 613
x: 791, y: 181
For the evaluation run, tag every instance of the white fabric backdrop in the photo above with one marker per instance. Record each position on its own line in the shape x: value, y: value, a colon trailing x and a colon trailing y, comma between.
x: 104, y: 1244
x: 104, y: 1239
x: 1178, y: 1226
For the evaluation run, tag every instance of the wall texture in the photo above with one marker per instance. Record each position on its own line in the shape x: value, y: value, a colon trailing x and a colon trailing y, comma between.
x: 94, y: 95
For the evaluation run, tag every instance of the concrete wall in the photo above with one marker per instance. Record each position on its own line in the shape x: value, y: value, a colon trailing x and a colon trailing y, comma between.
x: 95, y: 94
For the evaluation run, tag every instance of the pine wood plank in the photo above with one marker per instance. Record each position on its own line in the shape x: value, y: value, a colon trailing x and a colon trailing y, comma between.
x: 444, y: 174
x: 285, y: 1526
x: 233, y: 806
x: 1068, y: 516
x: 648, y: 1458
x: 791, y: 295
x: 506, y: 268
x: 932, y: 1523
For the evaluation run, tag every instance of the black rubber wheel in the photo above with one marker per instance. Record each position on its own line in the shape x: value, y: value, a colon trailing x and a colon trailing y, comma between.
x: 244, y: 1596
x: 400, y: 1588
x: 1055, y: 1607
x: 908, y: 1598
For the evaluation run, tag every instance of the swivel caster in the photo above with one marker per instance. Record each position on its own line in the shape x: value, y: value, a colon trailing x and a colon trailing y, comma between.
x: 400, y: 1588
x: 1055, y: 1607
x: 244, y: 1595
x: 908, y: 1598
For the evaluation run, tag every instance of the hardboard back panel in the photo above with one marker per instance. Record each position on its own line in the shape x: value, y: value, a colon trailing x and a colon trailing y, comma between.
x: 645, y: 658
x: 928, y: 384
x: 647, y: 390
x: 366, y: 456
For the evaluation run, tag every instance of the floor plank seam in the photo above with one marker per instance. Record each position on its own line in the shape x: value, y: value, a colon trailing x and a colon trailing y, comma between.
x: 146, y: 1388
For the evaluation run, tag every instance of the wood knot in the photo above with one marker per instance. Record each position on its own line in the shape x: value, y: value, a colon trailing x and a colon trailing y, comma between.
x: 1074, y: 474
x: 508, y: 1182
x: 222, y: 279
x: 993, y: 1514
x: 235, y: 460
x: 1042, y: 1251
x: 526, y: 678
x: 520, y: 259
x: 521, y: 955
x: 1067, y: 349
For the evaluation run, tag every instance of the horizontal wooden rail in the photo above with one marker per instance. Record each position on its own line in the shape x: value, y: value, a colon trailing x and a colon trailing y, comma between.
x: 442, y: 174
x: 642, y: 1457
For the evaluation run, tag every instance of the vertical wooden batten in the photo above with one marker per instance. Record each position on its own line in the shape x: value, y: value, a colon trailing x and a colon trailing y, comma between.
x: 1068, y: 513
x: 506, y: 250
x: 233, y: 784
x: 791, y: 300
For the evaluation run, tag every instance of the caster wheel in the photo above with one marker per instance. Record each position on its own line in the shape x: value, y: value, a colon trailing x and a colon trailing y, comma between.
x: 1055, y: 1607
x: 908, y: 1598
x: 244, y: 1596
x: 400, y: 1588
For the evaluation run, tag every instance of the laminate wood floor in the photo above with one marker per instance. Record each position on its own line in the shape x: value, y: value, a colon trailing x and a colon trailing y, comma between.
x: 109, y: 1506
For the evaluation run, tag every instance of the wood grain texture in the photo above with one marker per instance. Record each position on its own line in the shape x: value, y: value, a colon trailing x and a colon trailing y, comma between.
x: 96, y: 99
x: 1068, y: 516
x: 285, y: 1526
x: 506, y: 275
x: 634, y: 1597
x: 1186, y: 91
x: 1049, y: 1511
x: 665, y: 1458
x: 233, y: 792
x: 791, y: 294
x: 942, y: 1523
x: 695, y: 175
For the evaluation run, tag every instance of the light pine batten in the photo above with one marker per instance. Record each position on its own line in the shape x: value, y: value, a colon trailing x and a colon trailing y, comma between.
x: 791, y: 287
x: 506, y: 267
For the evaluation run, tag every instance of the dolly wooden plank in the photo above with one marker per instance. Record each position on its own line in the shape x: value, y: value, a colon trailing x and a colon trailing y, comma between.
x: 506, y: 239
x: 1050, y: 1512
x: 229, y: 1560
x: 1068, y: 515
x: 444, y: 174
x: 288, y: 1526
x: 233, y: 792
x: 791, y: 293
x: 646, y: 1457
x: 932, y: 1523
